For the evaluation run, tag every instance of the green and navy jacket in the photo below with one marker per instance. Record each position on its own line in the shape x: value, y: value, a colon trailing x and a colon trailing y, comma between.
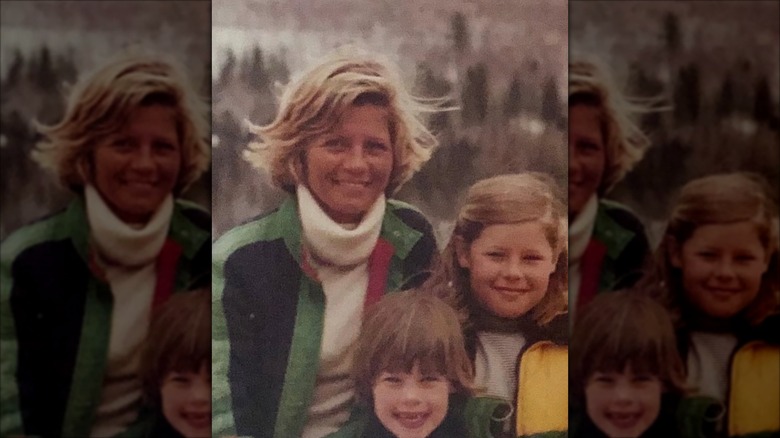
x: 541, y: 404
x: 268, y: 313
x: 56, y: 308
x: 753, y: 396
x: 616, y: 254
x: 467, y: 417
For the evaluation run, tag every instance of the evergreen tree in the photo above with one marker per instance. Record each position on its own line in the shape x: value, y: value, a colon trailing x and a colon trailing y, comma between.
x: 726, y: 99
x: 762, y: 101
x: 513, y: 99
x: 551, y: 102
x: 475, y: 95
x: 461, y: 38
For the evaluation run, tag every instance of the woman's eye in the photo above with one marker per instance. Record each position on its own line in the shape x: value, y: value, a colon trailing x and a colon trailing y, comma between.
x: 376, y: 146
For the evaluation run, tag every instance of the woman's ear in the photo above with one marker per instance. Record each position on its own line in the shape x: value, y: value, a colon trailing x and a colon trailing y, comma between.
x: 673, y: 252
x: 461, y: 251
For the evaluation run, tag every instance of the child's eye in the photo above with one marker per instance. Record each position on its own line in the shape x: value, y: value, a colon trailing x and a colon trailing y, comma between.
x: 709, y: 255
x: 604, y: 378
x: 164, y: 146
x: 533, y: 257
x: 432, y: 378
x: 121, y: 143
x: 391, y: 378
x: 496, y: 254
x: 643, y: 378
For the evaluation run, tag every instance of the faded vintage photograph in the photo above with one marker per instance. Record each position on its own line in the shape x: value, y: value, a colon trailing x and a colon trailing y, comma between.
x: 390, y: 218
x: 105, y: 148
x: 674, y: 169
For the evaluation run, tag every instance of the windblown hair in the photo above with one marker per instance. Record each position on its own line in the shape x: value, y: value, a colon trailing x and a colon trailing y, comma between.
x: 313, y: 105
x: 100, y: 104
x: 620, y: 329
x: 179, y: 340
x: 718, y: 199
x: 506, y: 199
x: 406, y: 329
x: 625, y: 144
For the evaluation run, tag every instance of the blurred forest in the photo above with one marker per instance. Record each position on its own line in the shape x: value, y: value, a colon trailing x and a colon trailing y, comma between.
x: 715, y: 69
x: 511, y: 117
x: 39, y: 65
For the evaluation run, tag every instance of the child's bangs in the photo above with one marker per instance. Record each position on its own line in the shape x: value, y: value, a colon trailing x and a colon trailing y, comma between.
x: 640, y: 352
x: 421, y: 346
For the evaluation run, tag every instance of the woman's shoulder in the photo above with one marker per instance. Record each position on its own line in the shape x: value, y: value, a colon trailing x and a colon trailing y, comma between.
x: 622, y: 215
x: 268, y: 226
x: 409, y: 214
x: 46, y: 230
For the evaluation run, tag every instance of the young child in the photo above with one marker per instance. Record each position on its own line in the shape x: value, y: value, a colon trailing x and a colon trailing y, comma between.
x: 626, y: 377
x: 413, y: 378
x: 505, y: 268
x: 176, y: 370
x: 717, y: 273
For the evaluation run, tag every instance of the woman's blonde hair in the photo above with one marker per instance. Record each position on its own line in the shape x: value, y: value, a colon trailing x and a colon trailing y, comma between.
x: 100, y: 104
x: 624, y: 142
x: 506, y: 199
x: 620, y: 329
x: 410, y: 328
x: 718, y: 199
x: 313, y: 105
x: 179, y: 340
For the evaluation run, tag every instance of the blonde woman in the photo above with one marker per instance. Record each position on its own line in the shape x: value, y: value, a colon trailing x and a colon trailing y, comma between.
x: 290, y: 287
x: 608, y: 246
x: 78, y: 287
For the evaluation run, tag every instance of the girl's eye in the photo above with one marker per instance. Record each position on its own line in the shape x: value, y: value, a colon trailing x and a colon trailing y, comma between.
x: 164, y: 146
x: 604, y: 378
x: 745, y: 258
x: 495, y: 254
x: 180, y: 378
x: 643, y: 378
x: 533, y: 257
x: 707, y: 254
x: 121, y: 143
x: 334, y: 143
x: 588, y: 146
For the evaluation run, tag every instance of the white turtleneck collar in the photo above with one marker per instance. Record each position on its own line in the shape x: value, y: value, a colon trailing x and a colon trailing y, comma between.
x: 331, y: 242
x: 581, y: 229
x: 120, y: 243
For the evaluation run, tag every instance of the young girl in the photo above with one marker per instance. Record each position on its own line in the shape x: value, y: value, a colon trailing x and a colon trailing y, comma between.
x: 717, y: 273
x: 505, y: 268
x: 176, y: 370
x: 412, y: 375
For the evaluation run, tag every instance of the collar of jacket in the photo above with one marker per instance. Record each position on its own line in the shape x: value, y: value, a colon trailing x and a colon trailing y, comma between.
x: 287, y: 225
x: 93, y: 347
x: 182, y: 230
x: 606, y: 230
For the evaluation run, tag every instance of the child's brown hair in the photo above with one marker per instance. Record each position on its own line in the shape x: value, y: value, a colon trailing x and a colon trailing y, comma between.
x: 408, y: 328
x: 624, y: 328
x: 179, y: 340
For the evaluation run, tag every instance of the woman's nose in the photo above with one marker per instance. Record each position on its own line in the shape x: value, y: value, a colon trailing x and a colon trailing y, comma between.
x: 356, y: 158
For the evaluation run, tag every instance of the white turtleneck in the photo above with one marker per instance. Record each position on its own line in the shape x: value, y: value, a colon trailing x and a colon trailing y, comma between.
x: 340, y: 257
x: 580, y: 232
x: 127, y: 254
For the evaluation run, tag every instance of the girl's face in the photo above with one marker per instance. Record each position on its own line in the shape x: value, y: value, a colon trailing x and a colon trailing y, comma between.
x: 722, y: 266
x: 411, y: 405
x: 623, y: 405
x: 186, y: 402
x: 509, y: 267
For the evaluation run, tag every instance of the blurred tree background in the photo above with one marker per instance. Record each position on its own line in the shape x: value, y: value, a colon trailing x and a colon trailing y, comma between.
x: 46, y: 46
x: 502, y: 65
x: 715, y: 68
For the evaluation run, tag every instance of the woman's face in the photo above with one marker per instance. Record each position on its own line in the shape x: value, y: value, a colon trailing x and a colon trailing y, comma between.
x: 587, y: 155
x: 136, y: 169
x: 348, y: 169
x: 509, y: 267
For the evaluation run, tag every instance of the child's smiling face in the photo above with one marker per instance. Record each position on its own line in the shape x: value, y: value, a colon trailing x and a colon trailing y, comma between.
x: 411, y: 405
x: 509, y: 267
x: 623, y: 404
x: 186, y: 402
